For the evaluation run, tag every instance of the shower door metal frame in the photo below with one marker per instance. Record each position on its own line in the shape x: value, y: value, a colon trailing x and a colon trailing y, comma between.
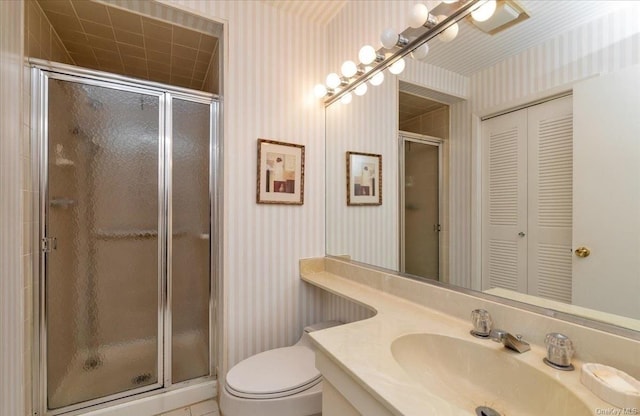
x: 403, y: 137
x: 41, y: 72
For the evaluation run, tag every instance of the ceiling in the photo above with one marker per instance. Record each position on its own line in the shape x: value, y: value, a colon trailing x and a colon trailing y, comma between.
x: 473, y: 50
x: 411, y: 106
x: 115, y: 40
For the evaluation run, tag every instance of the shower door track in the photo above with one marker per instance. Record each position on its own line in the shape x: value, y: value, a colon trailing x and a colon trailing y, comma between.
x: 41, y: 72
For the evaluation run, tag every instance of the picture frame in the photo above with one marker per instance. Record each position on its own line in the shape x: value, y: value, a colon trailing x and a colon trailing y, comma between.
x: 280, y: 173
x: 364, y: 179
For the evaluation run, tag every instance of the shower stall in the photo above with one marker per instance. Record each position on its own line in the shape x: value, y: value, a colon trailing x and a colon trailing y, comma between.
x: 126, y: 290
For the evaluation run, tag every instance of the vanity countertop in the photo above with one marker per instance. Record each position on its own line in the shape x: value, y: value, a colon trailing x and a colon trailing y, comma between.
x: 362, y: 349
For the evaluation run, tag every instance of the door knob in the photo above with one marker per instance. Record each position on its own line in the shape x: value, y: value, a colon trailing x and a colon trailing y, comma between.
x: 582, y: 252
x: 521, y: 234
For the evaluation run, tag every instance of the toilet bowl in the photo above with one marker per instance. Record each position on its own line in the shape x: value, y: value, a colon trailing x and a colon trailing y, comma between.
x: 279, y: 382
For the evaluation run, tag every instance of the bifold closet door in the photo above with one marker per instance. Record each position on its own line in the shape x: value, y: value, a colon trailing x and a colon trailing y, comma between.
x: 550, y: 201
x: 527, y: 200
x: 102, y: 292
x: 504, y: 202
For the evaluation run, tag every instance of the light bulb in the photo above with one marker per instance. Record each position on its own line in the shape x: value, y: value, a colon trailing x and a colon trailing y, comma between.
x: 349, y: 69
x: 397, y: 67
x: 346, y: 99
x: 333, y: 81
x: 367, y: 54
x: 320, y: 90
x: 389, y: 38
x: 418, y: 16
x: 361, y: 89
x: 449, y: 33
x: 420, y: 52
x: 377, y: 79
x: 484, y: 12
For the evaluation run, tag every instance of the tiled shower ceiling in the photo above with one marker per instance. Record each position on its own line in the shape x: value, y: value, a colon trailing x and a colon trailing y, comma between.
x: 412, y: 106
x: 114, y: 40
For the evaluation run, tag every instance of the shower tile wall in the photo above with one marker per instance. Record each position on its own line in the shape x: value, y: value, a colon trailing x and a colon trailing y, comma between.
x: 40, y: 39
x: 434, y: 123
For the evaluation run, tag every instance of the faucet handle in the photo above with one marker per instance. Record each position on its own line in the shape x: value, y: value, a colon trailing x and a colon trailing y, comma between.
x: 559, y: 351
x: 482, y: 323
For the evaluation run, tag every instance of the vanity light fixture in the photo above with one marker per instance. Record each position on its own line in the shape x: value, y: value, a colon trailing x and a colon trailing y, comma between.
x: 395, y: 47
x: 390, y: 39
x: 368, y: 54
x: 333, y: 81
x: 349, y: 69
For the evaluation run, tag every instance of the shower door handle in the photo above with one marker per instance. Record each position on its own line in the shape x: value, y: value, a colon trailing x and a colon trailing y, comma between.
x: 49, y: 244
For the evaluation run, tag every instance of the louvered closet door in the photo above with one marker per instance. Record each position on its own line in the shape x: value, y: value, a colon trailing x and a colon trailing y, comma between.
x: 504, y: 205
x: 550, y: 164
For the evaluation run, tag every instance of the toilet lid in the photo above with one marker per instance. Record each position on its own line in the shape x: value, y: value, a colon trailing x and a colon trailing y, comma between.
x: 273, y: 372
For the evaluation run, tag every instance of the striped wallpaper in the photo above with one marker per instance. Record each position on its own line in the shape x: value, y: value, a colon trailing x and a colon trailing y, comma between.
x: 606, y: 44
x: 273, y: 61
x: 12, y: 288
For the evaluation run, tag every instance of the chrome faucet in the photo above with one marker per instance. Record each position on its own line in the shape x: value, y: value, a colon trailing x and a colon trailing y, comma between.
x: 559, y: 351
x: 513, y: 342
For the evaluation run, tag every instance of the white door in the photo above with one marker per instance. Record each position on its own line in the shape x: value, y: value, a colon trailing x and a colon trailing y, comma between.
x: 504, y: 202
x: 549, y: 205
x: 527, y: 185
x: 606, y: 216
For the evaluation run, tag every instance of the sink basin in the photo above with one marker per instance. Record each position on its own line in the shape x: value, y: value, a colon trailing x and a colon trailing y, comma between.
x: 470, y: 374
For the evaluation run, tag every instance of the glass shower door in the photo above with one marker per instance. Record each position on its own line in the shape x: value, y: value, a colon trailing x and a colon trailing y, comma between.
x: 102, y: 292
x: 190, y: 239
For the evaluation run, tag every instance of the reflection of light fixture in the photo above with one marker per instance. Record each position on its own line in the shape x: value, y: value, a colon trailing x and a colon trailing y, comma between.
x: 484, y: 12
x: 395, y: 47
x: 361, y: 89
x: 377, y: 79
x: 449, y: 33
x: 397, y: 67
x: 420, y: 53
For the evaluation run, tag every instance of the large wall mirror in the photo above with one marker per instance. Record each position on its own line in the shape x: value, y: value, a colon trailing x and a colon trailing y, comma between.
x: 510, y: 161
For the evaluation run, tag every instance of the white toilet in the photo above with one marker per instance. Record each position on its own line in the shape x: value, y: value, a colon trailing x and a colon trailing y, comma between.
x: 279, y: 382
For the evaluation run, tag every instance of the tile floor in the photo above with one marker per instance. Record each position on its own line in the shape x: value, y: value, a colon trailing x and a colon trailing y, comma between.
x: 206, y: 408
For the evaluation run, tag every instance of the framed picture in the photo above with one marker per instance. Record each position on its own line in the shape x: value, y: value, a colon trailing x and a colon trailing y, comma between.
x: 280, y: 173
x: 364, y: 179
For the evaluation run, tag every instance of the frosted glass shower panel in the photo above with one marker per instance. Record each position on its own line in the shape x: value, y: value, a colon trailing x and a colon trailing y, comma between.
x: 102, y: 291
x: 191, y: 230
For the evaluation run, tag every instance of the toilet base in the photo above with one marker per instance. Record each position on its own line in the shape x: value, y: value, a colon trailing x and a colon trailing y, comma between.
x: 305, y: 403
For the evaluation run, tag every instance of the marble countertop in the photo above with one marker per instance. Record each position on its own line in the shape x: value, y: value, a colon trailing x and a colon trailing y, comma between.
x: 362, y: 349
